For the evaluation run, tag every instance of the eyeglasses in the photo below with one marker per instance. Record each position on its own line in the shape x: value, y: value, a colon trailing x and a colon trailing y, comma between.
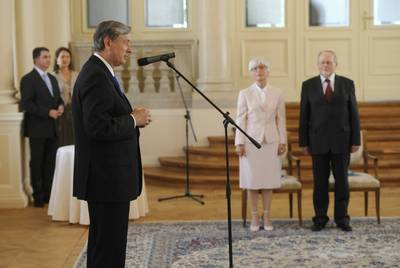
x: 259, y: 67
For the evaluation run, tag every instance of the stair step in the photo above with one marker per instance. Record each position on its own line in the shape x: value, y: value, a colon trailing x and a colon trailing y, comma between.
x: 365, y: 113
x: 211, y: 151
x: 213, y: 164
x: 379, y: 125
x: 207, y: 166
x: 162, y: 174
x: 220, y: 140
x: 372, y: 136
x: 218, y: 152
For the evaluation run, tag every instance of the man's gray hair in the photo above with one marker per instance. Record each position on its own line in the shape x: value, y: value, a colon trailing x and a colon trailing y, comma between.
x: 330, y: 52
x: 253, y: 63
x: 111, y: 29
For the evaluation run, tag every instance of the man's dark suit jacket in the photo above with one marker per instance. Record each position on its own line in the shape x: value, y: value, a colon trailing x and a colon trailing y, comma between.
x: 329, y: 126
x: 107, y: 156
x: 37, y: 101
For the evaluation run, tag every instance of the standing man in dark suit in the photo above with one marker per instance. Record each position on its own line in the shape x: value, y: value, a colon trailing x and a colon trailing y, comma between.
x: 40, y: 98
x: 329, y: 131
x: 108, y: 169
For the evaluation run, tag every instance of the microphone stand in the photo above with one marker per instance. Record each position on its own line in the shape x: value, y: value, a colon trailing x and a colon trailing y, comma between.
x: 227, y: 120
x: 188, y: 120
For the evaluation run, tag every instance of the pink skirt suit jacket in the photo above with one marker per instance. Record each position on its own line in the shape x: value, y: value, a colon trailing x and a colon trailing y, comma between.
x: 261, y: 113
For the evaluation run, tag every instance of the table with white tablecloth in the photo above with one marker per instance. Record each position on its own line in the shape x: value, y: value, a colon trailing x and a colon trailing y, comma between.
x: 64, y: 207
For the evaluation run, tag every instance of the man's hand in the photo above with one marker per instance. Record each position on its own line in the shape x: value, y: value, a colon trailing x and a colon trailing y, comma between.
x: 240, y: 151
x: 60, y: 110
x: 281, y: 149
x: 306, y: 150
x: 142, y: 116
x: 354, y: 148
x: 53, y: 113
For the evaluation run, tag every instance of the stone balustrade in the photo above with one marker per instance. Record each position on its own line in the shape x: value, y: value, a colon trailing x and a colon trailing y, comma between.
x: 153, y: 85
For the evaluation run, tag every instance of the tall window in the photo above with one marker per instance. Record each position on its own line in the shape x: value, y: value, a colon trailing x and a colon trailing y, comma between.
x: 265, y: 13
x: 166, y: 13
x: 386, y: 12
x: 329, y: 13
x: 99, y: 10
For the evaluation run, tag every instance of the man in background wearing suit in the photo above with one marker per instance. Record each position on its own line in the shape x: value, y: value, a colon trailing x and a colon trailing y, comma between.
x: 40, y: 98
x: 108, y: 169
x: 329, y: 130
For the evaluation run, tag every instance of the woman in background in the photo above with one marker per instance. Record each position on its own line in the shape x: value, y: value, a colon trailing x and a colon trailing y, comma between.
x: 66, y: 78
x: 261, y: 113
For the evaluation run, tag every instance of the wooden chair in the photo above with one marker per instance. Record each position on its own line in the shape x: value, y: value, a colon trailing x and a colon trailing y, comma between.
x: 363, y: 181
x: 290, y: 185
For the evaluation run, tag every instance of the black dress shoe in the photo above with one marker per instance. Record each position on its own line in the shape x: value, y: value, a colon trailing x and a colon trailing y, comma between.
x: 38, y: 203
x: 317, y: 227
x: 345, y: 227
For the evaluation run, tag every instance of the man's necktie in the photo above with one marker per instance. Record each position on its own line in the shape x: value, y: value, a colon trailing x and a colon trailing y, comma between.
x: 328, y: 90
x: 46, y: 79
x: 116, y: 83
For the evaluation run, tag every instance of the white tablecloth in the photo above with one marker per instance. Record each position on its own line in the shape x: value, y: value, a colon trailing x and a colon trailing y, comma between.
x: 64, y: 207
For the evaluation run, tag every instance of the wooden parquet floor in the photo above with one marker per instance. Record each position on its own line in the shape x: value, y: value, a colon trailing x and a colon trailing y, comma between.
x: 28, y: 237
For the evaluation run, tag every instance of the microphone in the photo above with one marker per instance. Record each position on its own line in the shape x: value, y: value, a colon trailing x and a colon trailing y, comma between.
x: 153, y: 59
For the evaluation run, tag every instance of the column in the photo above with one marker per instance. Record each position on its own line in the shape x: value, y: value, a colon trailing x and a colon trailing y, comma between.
x: 11, y: 186
x: 215, y: 51
x: 40, y: 23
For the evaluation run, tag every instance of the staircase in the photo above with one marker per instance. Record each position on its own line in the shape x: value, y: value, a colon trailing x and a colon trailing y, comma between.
x: 380, y: 120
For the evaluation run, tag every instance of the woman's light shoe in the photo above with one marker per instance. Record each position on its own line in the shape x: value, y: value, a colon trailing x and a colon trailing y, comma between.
x: 268, y: 227
x: 254, y: 228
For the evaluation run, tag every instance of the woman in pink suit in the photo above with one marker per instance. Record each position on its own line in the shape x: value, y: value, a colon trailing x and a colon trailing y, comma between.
x: 261, y: 113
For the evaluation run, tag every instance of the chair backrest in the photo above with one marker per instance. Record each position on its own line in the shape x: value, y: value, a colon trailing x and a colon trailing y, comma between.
x: 288, y: 148
x: 284, y: 160
x: 357, y: 158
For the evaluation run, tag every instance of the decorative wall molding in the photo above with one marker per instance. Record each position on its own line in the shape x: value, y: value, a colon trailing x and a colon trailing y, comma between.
x: 273, y: 50
x: 385, y: 59
x: 341, y: 46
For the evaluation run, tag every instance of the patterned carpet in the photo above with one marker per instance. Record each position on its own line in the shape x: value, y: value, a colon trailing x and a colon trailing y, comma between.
x: 205, y: 244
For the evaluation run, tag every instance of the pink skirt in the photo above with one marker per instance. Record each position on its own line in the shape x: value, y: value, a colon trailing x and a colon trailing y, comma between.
x: 260, y: 168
